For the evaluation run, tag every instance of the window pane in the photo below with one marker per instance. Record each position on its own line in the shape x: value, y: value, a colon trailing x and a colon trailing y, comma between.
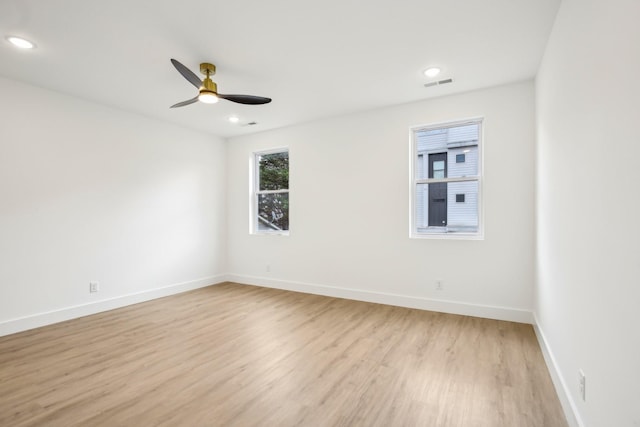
x: 273, y: 212
x: 274, y: 171
x: 460, y: 143
x: 437, y: 207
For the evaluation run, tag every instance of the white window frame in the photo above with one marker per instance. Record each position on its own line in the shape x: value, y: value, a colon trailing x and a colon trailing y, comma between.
x: 413, y: 183
x: 255, y: 192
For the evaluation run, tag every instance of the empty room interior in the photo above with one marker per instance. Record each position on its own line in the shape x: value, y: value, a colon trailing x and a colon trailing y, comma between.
x: 338, y: 213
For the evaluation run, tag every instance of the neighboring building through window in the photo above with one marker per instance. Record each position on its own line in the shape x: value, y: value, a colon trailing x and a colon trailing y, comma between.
x: 446, y: 178
x: 271, y: 192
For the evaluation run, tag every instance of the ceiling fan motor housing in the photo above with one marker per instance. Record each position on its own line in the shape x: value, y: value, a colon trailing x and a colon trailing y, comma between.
x: 209, y: 85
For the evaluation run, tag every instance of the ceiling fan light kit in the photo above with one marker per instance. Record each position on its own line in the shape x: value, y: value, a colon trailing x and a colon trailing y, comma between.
x: 207, y: 97
x: 208, y: 89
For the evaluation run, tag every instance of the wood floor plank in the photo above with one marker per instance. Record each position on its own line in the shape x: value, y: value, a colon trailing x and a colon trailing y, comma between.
x: 236, y: 355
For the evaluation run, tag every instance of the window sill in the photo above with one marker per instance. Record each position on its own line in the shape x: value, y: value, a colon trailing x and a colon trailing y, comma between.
x: 447, y: 235
x: 270, y: 233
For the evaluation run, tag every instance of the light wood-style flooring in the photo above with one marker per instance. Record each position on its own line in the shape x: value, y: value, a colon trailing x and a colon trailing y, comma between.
x: 236, y: 355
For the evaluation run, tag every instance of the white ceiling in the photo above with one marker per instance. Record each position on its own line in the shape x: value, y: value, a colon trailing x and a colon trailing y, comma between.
x: 315, y: 59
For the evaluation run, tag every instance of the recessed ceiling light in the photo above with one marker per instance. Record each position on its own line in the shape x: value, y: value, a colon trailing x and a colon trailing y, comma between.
x: 432, y: 72
x: 20, y: 42
x: 234, y: 119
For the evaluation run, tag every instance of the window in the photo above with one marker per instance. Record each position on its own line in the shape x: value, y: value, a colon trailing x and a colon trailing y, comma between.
x: 446, y: 180
x: 271, y: 192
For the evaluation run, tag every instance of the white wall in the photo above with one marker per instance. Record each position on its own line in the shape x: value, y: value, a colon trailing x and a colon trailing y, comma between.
x: 92, y: 193
x: 588, y: 207
x: 350, y: 210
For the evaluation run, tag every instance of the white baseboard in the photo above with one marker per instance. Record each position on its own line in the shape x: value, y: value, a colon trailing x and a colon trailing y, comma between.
x: 47, y: 318
x: 453, y: 307
x: 568, y: 404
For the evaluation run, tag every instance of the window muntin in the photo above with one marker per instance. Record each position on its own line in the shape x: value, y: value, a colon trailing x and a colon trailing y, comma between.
x: 445, y: 195
x: 271, y: 192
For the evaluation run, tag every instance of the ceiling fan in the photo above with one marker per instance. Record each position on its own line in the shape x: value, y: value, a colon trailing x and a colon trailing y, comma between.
x: 208, y: 90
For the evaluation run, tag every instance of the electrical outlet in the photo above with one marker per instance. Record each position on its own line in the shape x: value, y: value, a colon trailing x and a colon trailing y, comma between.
x: 268, y: 268
x: 94, y: 287
x: 582, y: 384
x: 439, y: 285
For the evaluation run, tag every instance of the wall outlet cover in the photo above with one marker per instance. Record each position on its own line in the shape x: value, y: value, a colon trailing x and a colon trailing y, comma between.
x: 94, y: 287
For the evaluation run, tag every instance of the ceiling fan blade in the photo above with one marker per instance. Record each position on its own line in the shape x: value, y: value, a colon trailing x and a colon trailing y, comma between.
x: 187, y: 73
x: 183, y: 103
x: 246, y: 99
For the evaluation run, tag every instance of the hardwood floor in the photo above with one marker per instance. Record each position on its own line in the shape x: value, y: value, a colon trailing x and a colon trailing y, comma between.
x: 235, y: 355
